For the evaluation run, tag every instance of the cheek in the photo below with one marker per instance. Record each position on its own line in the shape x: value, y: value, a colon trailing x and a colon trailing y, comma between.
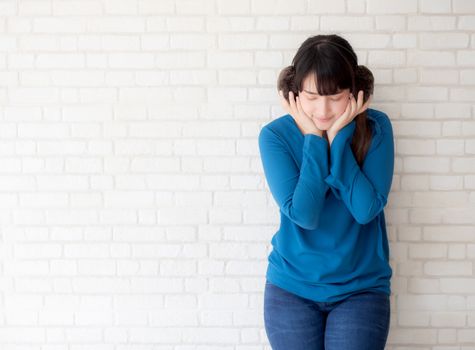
x: 306, y: 105
x: 340, y: 106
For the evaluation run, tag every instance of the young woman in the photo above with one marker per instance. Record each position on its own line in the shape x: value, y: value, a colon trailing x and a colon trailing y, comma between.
x: 329, y: 165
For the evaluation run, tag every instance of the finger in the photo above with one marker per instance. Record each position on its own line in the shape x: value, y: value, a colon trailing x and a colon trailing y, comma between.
x: 370, y: 99
x: 350, y: 107
x: 360, y: 100
x: 347, y: 110
x: 292, y: 101
x: 353, y: 106
x: 366, y: 105
x: 299, y: 107
x: 285, y: 105
x: 293, y: 105
x: 283, y: 101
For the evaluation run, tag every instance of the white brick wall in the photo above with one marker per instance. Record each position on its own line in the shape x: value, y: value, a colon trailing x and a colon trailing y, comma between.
x: 133, y: 208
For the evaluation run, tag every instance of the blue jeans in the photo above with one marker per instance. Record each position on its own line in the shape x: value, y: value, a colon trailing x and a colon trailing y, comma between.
x: 358, y: 322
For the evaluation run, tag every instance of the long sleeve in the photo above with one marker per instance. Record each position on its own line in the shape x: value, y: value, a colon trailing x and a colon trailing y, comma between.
x: 299, y: 193
x: 363, y: 190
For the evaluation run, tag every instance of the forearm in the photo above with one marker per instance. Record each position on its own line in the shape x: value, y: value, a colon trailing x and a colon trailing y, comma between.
x: 364, y: 190
x: 309, y: 196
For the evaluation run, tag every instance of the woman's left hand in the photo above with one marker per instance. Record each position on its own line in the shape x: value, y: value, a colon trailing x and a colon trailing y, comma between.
x: 352, y: 110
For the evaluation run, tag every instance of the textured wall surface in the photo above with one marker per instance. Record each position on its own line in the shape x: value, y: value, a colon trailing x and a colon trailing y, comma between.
x: 134, y: 213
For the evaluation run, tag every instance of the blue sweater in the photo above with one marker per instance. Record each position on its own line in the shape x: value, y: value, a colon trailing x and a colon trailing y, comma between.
x: 332, y: 239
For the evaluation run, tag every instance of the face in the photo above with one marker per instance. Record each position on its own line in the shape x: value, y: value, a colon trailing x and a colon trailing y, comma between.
x: 323, y: 110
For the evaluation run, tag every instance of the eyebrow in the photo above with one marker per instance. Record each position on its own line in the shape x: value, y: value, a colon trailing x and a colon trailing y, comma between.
x: 316, y: 93
x: 309, y: 92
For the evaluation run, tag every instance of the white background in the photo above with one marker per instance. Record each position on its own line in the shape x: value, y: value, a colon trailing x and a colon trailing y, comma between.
x: 133, y: 208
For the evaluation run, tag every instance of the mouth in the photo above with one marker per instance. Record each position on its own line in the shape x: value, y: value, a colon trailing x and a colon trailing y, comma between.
x: 324, y: 120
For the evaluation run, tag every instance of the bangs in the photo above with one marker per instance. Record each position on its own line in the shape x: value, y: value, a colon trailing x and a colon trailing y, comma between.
x: 332, y: 71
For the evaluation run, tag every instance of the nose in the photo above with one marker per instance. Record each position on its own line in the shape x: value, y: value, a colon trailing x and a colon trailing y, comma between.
x: 323, y: 109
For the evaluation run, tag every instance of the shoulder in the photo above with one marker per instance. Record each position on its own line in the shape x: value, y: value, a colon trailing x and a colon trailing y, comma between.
x: 380, y: 120
x: 277, y: 128
x: 382, y: 129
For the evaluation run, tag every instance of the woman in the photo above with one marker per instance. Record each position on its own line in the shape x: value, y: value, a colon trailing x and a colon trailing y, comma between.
x: 329, y: 165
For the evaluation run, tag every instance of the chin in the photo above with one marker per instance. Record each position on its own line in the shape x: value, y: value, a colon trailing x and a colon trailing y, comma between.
x: 324, y: 125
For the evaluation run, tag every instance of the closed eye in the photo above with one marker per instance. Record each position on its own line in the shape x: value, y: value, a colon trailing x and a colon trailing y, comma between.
x: 312, y: 97
x: 332, y: 99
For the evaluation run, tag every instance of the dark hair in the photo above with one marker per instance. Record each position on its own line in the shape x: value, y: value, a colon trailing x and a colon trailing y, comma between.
x: 335, y: 65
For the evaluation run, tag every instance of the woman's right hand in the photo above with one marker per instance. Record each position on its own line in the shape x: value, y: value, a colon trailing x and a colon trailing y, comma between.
x: 303, y: 121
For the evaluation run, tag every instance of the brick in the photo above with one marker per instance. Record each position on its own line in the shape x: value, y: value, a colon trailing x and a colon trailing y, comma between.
x: 224, y: 7
x: 185, y: 24
x: 423, y: 285
x: 131, y: 60
x: 193, y: 42
x: 242, y: 41
x: 450, y: 147
x: 429, y: 58
x: 60, y: 61
x: 433, y: 76
x: 325, y: 7
x: 463, y: 164
x: 281, y: 7
x: 465, y: 58
x: 76, y: 8
x: 457, y: 285
x: 390, y: 7
x: 118, y: 7
x: 448, y: 319
x: 265, y: 23
x: 463, y: 6
x: 427, y: 164
x: 415, y: 147
x: 225, y: 24
x: 198, y: 7
x: 442, y: 182
x: 393, y: 23
x: 444, y: 40
x: 458, y: 233
x: 435, y: 302
x: 441, y: 6
x: 116, y: 25
x: 350, y: 23
x: 17, y: 335
x: 37, y: 8
x: 404, y: 41
x: 448, y: 268
x: 151, y: 7
x: 386, y: 58
x: 413, y: 319
x: 431, y: 23
x: 452, y: 110
x: 427, y: 251
x: 59, y: 25
x: 466, y: 22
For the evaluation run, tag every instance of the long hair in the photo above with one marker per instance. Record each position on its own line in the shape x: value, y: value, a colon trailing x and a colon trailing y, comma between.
x: 335, y: 65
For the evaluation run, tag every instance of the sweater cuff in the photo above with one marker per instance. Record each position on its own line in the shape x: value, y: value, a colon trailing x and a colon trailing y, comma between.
x: 310, y: 139
x: 343, y: 165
